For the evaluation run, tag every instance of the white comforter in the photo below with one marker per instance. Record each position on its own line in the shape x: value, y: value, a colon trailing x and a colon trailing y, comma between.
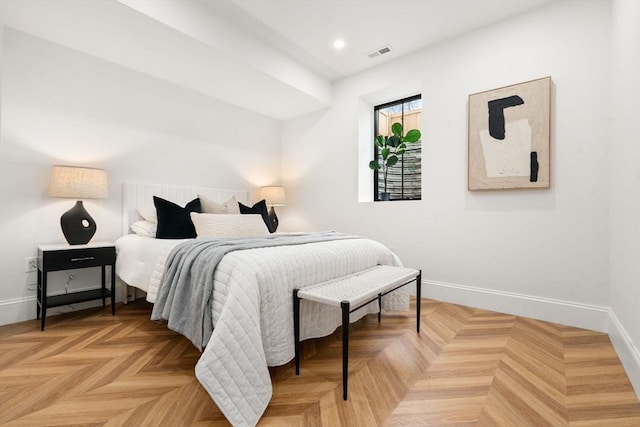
x: 252, y: 314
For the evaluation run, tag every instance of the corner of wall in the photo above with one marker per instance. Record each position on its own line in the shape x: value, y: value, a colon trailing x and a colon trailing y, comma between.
x: 624, y: 179
x: 627, y: 351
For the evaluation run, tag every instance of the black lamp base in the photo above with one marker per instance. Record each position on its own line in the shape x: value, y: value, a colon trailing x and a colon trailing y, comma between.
x: 77, y: 225
x: 273, y: 220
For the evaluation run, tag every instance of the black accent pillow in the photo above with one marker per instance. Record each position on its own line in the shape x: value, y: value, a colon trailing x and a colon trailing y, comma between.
x: 259, y: 208
x: 174, y: 221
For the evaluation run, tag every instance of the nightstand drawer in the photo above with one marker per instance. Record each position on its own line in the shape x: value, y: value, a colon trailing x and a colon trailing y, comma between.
x: 77, y: 258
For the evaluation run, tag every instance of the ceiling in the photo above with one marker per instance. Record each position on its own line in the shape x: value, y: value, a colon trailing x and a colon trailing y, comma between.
x: 306, y: 29
x: 275, y: 57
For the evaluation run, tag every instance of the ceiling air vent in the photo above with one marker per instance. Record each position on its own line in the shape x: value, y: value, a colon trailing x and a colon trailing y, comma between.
x: 378, y: 52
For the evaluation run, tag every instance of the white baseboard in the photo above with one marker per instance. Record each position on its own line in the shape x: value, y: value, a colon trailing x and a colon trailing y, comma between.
x: 21, y: 309
x: 627, y: 352
x: 551, y: 310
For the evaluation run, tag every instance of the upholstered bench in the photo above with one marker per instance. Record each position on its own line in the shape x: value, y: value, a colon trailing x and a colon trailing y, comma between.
x: 351, y: 293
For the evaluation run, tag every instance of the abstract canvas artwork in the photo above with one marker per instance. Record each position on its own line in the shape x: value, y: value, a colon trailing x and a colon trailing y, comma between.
x: 509, y: 133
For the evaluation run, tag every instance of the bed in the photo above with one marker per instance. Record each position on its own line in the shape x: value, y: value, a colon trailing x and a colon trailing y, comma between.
x: 251, y: 299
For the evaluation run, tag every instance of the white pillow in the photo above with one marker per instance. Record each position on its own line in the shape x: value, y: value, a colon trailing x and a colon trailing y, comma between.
x: 215, y: 225
x: 211, y: 206
x: 149, y: 213
x: 144, y: 228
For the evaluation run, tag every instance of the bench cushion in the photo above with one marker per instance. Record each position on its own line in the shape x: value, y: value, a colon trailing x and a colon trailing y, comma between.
x: 358, y: 287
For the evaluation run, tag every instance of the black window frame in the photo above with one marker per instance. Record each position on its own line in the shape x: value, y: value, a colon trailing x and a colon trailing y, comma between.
x: 376, y: 189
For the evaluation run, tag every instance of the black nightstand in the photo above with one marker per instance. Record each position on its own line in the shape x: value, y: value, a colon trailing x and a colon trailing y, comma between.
x: 67, y: 257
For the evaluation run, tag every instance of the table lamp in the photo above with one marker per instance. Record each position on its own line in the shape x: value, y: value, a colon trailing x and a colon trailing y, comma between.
x: 78, y: 183
x: 273, y: 196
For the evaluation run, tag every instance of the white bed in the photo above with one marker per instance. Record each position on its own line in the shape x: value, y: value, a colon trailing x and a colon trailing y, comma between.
x: 252, y: 299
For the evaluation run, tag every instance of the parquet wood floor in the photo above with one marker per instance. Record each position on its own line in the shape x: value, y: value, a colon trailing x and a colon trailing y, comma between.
x: 468, y: 367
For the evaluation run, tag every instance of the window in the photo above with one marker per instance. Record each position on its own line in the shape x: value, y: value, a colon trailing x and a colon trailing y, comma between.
x: 404, y: 179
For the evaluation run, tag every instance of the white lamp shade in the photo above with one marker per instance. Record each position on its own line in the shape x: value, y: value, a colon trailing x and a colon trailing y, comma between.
x: 274, y: 196
x: 78, y: 183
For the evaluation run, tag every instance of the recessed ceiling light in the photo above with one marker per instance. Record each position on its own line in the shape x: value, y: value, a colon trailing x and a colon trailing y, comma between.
x: 338, y: 44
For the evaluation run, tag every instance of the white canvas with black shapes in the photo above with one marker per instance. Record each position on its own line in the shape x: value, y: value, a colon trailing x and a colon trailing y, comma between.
x: 509, y: 132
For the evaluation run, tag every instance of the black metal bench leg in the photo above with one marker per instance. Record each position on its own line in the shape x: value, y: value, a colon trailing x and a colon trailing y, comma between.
x: 296, y: 328
x: 345, y: 347
x: 418, y: 300
x: 379, y: 307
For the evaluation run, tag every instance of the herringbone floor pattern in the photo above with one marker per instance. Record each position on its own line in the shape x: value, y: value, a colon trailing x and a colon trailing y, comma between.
x: 468, y: 367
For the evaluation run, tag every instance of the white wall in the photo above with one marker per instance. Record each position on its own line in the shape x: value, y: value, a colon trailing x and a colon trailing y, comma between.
x: 481, y: 248
x: 624, y: 143
x: 60, y: 106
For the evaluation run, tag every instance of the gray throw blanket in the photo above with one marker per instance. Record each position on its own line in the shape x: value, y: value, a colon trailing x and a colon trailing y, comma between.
x: 187, y: 283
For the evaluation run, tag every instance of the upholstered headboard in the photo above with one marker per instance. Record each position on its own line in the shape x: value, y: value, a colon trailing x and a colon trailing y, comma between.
x: 136, y: 195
